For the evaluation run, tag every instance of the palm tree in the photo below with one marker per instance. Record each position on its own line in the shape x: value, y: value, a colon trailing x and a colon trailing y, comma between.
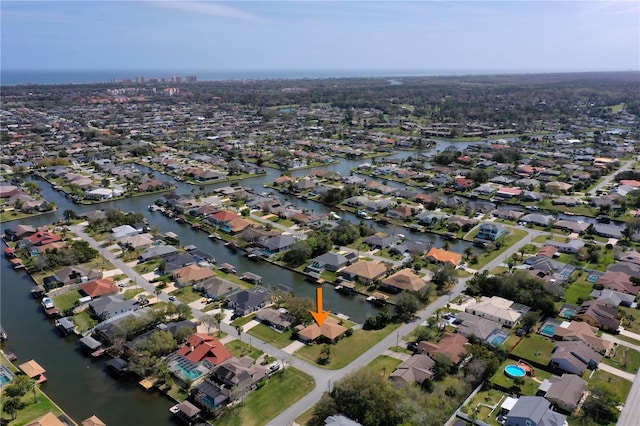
x: 11, y: 406
x: 32, y: 385
x: 217, y: 318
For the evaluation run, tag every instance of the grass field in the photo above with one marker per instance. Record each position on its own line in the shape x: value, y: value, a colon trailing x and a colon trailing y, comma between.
x: 347, y: 349
x: 625, y: 359
x: 384, y: 365
x: 515, y: 236
x: 84, y: 321
x: 580, y: 289
x: 534, y: 348
x: 617, y: 386
x: 530, y: 385
x: 67, y: 300
x: 240, y: 349
x: 269, y: 335
x: 186, y: 294
x: 258, y: 408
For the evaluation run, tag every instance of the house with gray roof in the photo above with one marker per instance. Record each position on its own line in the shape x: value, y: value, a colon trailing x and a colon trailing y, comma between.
x: 157, y: 252
x: 216, y: 287
x: 563, y: 392
x: 471, y: 325
x: 109, y: 306
x: 328, y: 261
x: 534, y: 411
x: 378, y: 242
x: 574, y: 357
x: 537, y: 219
x: 613, y: 298
x: 607, y: 230
x: 277, y: 244
x: 246, y: 301
x: 572, y: 246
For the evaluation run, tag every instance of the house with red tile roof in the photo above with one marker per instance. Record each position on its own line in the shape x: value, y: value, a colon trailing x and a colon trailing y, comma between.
x: 42, y: 238
x: 330, y: 330
x: 100, y: 287
x: 201, y: 347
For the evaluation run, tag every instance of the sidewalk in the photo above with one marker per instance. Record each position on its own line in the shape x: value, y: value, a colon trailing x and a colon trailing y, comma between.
x: 616, y: 372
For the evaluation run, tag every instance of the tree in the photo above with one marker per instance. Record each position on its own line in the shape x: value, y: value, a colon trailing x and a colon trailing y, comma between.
x: 69, y: 215
x: 300, y: 252
x: 299, y: 307
x: 325, y: 355
x: 183, y: 310
x: 407, y: 304
x: 443, y: 366
x: 633, y: 226
x: 363, y: 396
x: 218, y: 317
x: 12, y: 405
x: 444, y: 277
x: 210, y: 321
x: 601, y: 406
x: 530, y: 319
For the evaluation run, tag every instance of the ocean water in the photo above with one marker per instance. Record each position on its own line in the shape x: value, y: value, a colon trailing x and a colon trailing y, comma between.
x: 14, y: 77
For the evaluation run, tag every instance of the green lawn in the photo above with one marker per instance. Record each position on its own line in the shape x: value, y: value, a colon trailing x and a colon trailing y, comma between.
x: 259, y: 407
x: 186, y: 294
x: 130, y: 294
x: 243, y: 320
x: 84, y: 321
x: 67, y: 300
x: 535, y: 348
x: 269, y: 335
x: 580, y: 289
x: 240, y: 349
x: 514, y: 236
x: 489, y: 397
x: 347, y: 349
x: 633, y: 325
x: 618, y: 387
x: 530, y: 385
x: 384, y: 365
x: 625, y: 359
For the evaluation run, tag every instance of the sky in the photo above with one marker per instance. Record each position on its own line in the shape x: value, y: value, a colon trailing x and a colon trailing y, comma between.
x: 515, y: 35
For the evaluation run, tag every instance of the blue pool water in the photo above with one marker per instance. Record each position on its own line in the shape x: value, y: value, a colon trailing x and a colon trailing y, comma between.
x: 514, y: 371
x: 190, y: 374
x: 548, y: 330
x: 5, y: 375
x: 497, y: 340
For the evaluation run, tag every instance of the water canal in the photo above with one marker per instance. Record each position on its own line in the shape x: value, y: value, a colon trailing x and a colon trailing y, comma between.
x: 78, y: 383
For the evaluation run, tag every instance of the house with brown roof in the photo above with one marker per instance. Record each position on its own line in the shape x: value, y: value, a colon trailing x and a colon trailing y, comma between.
x: 48, y: 419
x: 444, y: 256
x: 100, y: 287
x: 413, y: 370
x: 201, y: 347
x: 451, y: 345
x: 617, y: 281
x: 367, y: 271
x: 578, y: 330
x: 404, y: 279
x: 330, y: 330
x: 191, y: 274
x: 598, y: 314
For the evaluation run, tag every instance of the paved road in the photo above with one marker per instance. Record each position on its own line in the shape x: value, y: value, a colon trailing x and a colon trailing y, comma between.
x: 626, y: 166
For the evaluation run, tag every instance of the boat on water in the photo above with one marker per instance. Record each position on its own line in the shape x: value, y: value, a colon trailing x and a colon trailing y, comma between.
x: 3, y: 334
x: 334, y: 215
x: 364, y: 215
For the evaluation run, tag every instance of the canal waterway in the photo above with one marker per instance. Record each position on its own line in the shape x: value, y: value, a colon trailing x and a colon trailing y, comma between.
x: 78, y: 383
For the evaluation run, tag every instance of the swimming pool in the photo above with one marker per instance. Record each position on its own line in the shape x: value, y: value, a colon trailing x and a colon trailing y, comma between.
x: 548, y: 330
x: 514, y: 371
x: 190, y: 374
x: 6, y: 376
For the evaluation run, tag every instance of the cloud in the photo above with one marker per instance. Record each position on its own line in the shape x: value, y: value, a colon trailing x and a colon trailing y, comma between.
x: 207, y: 8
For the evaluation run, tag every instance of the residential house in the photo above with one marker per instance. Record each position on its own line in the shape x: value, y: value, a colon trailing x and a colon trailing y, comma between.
x: 413, y: 370
x: 631, y: 256
x: 444, y: 256
x: 239, y: 375
x: 367, y: 271
x: 614, y: 298
x: 564, y: 392
x: 508, y: 193
x: 572, y: 246
x: 574, y: 357
x: 330, y: 330
x: 537, y: 219
x: 607, y: 230
x: 276, y: 318
x: 572, y: 226
x: 534, y: 411
x: 329, y: 261
x: 246, y: 301
x: 215, y: 287
x: 19, y: 232
x: 582, y: 331
x: 381, y: 242
x: 599, y: 315
x: 110, y: 306
x: 497, y: 309
x: 404, y: 279
x: 48, y: 419
x: 124, y: 231
x: 199, y: 347
x: 76, y: 274
x: 470, y: 325
x: 490, y: 231
x: 451, y: 345
x: 100, y: 287
x: 277, y: 244
x: 156, y: 252
x: 630, y: 269
x: 617, y: 281
x: 192, y: 274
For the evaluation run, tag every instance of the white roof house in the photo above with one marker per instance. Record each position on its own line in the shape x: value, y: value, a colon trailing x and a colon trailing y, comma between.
x: 496, y: 309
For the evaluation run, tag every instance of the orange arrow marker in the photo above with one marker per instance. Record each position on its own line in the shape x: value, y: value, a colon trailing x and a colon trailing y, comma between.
x: 321, y: 315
